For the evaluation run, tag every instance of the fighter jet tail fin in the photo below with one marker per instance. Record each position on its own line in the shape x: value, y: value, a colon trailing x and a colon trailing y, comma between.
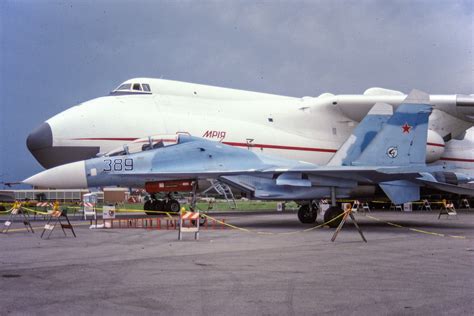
x: 402, y: 140
x: 362, y: 135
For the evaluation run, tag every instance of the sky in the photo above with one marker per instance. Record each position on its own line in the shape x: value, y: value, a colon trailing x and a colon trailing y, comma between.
x: 55, y: 54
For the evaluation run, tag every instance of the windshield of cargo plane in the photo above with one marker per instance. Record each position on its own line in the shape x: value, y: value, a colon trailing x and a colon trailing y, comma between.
x: 144, y: 144
x: 132, y: 88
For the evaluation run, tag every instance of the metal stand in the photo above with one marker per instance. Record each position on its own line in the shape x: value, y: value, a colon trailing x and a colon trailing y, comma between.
x: 396, y: 207
x: 448, y: 210
x: 344, y: 218
x: 426, y: 205
x: 465, y: 202
x: 18, y: 211
x: 56, y: 217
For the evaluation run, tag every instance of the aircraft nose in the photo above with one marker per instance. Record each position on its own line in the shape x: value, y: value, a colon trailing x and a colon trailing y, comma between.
x: 40, y: 138
x: 68, y: 176
x: 40, y: 143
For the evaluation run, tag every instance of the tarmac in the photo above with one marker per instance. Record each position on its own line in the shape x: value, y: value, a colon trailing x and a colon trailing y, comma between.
x: 426, y: 266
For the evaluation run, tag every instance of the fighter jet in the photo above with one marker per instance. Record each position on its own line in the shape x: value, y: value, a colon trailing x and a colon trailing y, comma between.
x: 385, y: 149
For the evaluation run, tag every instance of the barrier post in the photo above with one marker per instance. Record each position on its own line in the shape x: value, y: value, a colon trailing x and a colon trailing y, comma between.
x: 348, y: 213
x: 190, y: 216
x: 56, y: 215
x: 447, y: 209
x: 17, y: 210
x: 426, y: 205
x: 465, y: 203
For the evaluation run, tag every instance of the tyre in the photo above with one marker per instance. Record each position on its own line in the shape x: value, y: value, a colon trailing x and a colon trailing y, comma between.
x: 332, y: 213
x: 202, y: 221
x: 148, y: 206
x: 306, y: 215
x: 173, y: 206
x: 158, y: 205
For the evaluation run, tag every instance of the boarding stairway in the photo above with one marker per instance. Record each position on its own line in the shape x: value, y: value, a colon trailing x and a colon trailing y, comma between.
x: 223, y: 190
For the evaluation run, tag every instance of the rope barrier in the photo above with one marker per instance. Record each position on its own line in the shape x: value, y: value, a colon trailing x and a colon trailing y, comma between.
x: 242, y: 229
x: 272, y: 233
x: 415, y: 229
x: 35, y: 211
x: 6, y: 212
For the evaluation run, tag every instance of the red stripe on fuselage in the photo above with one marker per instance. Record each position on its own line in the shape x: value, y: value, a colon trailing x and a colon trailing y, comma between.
x: 434, y: 144
x: 281, y: 147
x: 456, y: 159
x: 106, y: 138
x: 325, y: 150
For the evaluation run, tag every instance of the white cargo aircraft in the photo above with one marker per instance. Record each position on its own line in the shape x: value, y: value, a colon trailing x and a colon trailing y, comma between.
x: 309, y: 128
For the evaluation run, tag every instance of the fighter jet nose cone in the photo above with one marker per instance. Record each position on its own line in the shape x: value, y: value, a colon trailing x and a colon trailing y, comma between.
x: 40, y: 138
x: 69, y: 176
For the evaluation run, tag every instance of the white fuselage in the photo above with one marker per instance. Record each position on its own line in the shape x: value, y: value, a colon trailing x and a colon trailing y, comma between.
x: 275, y: 127
x: 307, y: 129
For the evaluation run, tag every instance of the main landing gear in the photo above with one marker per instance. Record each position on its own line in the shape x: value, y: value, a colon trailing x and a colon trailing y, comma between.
x: 166, y: 205
x: 330, y: 214
x: 307, y: 213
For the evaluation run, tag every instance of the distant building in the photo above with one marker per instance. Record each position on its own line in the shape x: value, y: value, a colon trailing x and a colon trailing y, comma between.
x: 7, y: 196
x: 50, y: 195
x: 108, y: 195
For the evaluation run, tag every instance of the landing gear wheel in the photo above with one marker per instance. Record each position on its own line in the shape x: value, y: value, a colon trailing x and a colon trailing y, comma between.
x: 202, y: 221
x: 148, y: 206
x: 331, y: 213
x: 306, y: 215
x: 173, y: 206
x: 158, y: 205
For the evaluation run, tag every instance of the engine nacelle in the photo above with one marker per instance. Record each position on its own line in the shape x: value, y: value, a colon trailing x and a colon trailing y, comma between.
x: 434, y: 147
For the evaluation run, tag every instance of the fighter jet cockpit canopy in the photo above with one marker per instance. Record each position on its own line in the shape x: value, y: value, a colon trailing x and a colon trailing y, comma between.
x: 143, y: 144
x: 133, y: 86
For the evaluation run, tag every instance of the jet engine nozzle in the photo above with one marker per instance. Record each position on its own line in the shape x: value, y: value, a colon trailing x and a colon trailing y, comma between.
x: 465, y: 105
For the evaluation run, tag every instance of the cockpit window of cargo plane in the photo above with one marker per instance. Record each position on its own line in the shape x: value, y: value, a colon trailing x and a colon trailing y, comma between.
x: 132, y: 88
x: 136, y: 86
x: 125, y: 86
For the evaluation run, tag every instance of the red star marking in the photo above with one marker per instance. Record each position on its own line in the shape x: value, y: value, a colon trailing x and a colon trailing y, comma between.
x: 406, y: 128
